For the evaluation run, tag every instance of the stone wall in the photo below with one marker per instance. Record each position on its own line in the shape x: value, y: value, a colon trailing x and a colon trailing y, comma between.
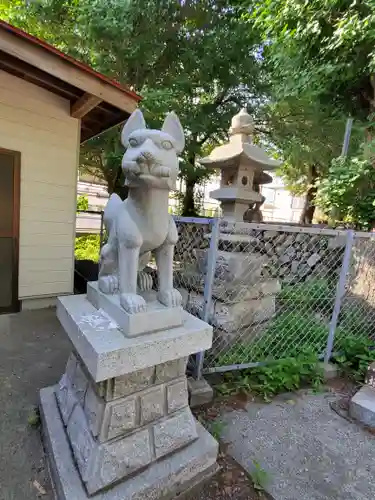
x: 255, y: 275
x: 123, y: 424
x: 358, y: 305
x: 291, y: 256
x: 361, y: 280
x: 296, y: 256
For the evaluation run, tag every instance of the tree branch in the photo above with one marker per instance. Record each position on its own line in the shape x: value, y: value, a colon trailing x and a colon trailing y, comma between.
x: 219, y: 99
x: 234, y: 99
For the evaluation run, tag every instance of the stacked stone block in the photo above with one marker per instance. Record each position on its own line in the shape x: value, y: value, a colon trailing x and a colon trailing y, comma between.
x: 123, y: 424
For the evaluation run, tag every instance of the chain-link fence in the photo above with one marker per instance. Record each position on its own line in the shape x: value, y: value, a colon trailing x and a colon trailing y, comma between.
x: 356, y: 317
x: 193, y: 237
x: 189, y: 276
x: 274, y: 292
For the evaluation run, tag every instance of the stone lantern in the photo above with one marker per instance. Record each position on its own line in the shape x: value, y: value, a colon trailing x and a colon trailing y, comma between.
x: 243, y: 292
x: 242, y: 166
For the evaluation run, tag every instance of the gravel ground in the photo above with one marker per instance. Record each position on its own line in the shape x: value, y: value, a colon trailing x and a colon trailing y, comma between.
x: 33, y: 353
x: 307, y: 450
x: 232, y: 481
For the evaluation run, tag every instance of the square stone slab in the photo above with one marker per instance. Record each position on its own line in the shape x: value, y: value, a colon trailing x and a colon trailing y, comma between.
x: 156, y: 317
x: 163, y: 480
x: 107, y: 352
x: 362, y: 406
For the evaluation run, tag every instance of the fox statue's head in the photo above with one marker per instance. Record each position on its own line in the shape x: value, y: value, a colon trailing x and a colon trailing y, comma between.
x: 151, y: 156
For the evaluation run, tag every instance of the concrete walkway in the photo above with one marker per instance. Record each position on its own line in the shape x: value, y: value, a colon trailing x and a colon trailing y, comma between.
x: 307, y: 450
x: 33, y: 353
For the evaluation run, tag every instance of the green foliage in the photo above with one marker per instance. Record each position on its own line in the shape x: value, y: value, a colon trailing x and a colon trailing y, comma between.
x: 258, y: 475
x: 321, y: 49
x: 315, y: 294
x: 357, y: 319
x: 199, y: 58
x: 348, y: 191
x: 300, y: 67
x: 196, y: 209
x: 356, y: 353
x: 320, y: 59
x: 33, y: 418
x: 289, y: 334
x: 87, y: 247
x: 284, y: 375
x: 82, y: 202
x: 216, y: 428
x: 307, y: 136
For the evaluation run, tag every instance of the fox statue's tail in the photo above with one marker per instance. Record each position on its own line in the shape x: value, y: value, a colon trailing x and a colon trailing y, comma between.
x: 111, y: 210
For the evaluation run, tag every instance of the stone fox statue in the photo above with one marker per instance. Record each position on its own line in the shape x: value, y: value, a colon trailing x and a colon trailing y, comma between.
x: 141, y: 224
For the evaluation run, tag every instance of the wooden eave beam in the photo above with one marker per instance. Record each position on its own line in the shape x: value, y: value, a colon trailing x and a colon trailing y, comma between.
x: 84, y: 105
x: 63, y: 70
x: 35, y: 76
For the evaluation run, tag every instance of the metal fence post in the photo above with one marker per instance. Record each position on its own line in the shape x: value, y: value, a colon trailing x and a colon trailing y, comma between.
x: 208, y: 283
x: 348, y: 131
x: 340, y: 292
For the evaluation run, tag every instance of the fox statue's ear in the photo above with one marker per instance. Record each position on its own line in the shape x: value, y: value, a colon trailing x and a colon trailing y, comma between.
x: 172, y: 126
x: 135, y: 122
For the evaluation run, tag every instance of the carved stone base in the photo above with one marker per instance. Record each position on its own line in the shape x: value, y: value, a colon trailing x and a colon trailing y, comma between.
x: 165, y: 479
x: 122, y: 425
x: 157, y: 316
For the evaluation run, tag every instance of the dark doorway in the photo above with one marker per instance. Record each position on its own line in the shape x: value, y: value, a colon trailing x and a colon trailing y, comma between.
x: 9, y: 229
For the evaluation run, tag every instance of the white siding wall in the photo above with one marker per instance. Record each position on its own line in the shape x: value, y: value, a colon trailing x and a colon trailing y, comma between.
x: 38, y: 124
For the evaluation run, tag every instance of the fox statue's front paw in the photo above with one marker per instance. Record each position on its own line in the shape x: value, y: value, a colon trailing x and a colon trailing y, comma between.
x: 132, y: 303
x: 108, y: 284
x: 170, y: 298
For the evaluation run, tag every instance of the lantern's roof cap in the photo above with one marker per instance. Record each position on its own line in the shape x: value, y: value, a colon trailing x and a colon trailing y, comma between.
x: 240, y: 146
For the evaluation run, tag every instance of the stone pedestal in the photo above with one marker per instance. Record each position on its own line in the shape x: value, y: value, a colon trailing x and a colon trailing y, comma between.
x: 244, y: 298
x: 200, y: 392
x: 157, y: 316
x: 118, y: 425
x: 362, y: 404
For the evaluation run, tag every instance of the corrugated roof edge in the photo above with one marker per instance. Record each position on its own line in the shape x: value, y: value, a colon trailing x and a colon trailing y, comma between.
x: 84, y: 67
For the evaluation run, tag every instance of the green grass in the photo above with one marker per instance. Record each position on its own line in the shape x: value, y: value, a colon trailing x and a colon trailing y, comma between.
x: 214, y: 427
x: 33, y: 418
x: 286, y: 336
x: 289, y: 334
x: 357, y: 318
x: 315, y: 294
x: 259, y: 476
x: 355, y: 356
x: 283, y: 375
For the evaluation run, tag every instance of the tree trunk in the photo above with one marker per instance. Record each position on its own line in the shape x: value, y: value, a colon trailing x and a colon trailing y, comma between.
x: 309, y: 206
x: 188, y: 205
x: 308, y: 210
x: 116, y: 184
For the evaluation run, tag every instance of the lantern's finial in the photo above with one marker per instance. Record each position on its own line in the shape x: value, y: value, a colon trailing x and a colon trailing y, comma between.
x: 242, y: 123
